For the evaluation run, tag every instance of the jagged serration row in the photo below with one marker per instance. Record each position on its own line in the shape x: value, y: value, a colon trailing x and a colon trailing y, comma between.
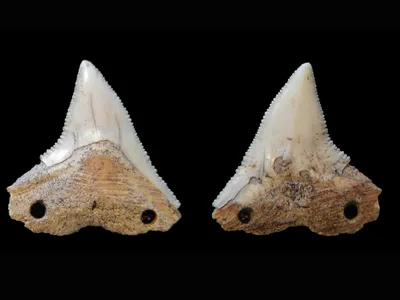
x: 330, y: 146
x: 67, y: 120
x: 249, y: 158
x: 169, y: 194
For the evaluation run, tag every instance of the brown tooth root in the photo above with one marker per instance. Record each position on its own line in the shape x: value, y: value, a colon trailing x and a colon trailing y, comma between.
x: 303, y: 178
x: 97, y: 174
x: 342, y: 205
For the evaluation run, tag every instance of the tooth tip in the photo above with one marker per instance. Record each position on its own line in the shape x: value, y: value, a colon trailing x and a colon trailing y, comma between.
x: 305, y: 69
x: 306, y: 66
x: 85, y: 63
x: 88, y: 70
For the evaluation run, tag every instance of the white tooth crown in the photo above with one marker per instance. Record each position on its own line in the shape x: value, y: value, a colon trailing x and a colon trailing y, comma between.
x: 96, y: 113
x: 293, y: 127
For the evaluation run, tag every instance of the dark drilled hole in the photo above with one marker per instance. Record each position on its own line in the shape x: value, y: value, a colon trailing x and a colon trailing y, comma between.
x: 244, y: 215
x: 38, y: 209
x: 148, y: 216
x: 351, y: 210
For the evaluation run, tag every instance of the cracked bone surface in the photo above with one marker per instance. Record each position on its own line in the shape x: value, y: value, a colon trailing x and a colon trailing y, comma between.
x: 97, y: 174
x: 293, y: 174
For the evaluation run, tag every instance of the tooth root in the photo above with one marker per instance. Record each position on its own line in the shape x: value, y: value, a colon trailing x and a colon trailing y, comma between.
x: 96, y: 113
x: 294, y: 127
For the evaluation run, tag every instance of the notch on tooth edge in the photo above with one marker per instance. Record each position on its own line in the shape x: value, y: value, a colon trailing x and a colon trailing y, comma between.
x: 286, y: 198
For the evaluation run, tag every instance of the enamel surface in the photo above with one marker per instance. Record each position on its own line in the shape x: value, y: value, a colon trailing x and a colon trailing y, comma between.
x: 292, y: 128
x: 96, y: 113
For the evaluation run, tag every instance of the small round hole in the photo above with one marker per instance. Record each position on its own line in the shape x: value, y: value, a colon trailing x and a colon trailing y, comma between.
x: 38, y: 209
x: 351, y: 210
x: 148, y: 216
x: 244, y: 215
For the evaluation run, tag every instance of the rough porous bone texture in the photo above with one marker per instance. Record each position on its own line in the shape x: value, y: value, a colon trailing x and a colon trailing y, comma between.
x: 97, y: 174
x: 294, y: 175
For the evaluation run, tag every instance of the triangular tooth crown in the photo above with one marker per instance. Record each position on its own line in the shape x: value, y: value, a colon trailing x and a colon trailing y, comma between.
x: 293, y: 128
x: 96, y: 113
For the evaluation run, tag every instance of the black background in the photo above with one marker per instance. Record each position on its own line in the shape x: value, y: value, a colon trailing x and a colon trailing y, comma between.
x: 196, y: 98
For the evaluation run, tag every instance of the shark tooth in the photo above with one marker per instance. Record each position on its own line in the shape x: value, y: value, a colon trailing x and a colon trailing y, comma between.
x: 97, y: 173
x: 294, y: 175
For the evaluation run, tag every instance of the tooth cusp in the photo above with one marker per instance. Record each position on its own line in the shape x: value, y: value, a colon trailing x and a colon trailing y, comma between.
x: 67, y: 131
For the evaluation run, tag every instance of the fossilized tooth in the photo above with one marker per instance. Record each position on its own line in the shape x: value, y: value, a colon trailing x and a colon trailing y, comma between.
x: 294, y: 175
x: 97, y: 174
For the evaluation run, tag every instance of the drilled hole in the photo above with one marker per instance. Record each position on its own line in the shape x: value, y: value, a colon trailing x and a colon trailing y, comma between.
x: 244, y: 215
x: 148, y: 216
x: 38, y: 209
x: 351, y: 210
